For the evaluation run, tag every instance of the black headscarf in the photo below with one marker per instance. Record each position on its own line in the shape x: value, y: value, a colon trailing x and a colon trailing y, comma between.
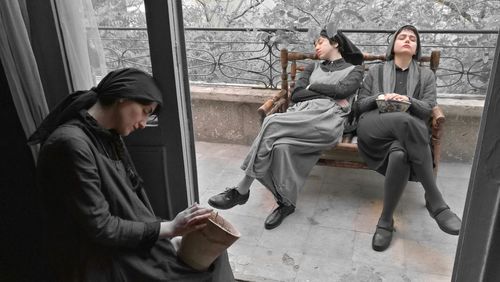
x: 390, y: 50
x: 128, y: 83
x: 348, y: 50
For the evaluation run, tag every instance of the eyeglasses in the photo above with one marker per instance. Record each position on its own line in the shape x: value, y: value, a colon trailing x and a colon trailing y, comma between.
x: 152, y: 121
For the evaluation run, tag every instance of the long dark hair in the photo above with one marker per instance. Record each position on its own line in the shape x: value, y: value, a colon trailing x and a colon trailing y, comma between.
x: 334, y: 39
x: 413, y: 29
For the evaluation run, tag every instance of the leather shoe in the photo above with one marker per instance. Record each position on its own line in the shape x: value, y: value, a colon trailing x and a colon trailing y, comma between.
x: 447, y: 220
x: 277, y: 216
x: 228, y: 199
x: 382, y: 237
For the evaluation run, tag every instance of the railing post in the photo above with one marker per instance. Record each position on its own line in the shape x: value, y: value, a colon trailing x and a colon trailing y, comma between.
x: 284, y: 65
x: 270, y: 64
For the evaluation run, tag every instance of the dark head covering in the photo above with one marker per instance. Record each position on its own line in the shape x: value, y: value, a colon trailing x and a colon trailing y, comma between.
x: 348, y: 50
x: 390, y: 50
x: 128, y: 83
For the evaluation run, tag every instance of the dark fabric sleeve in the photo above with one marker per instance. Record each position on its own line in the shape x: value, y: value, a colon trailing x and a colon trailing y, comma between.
x: 300, y: 93
x: 151, y: 234
x: 422, y: 106
x: 79, y: 181
x: 344, y: 88
x: 366, y: 99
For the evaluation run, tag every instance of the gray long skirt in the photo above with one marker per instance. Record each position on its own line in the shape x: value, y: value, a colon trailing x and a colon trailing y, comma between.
x: 381, y: 133
x: 289, y: 145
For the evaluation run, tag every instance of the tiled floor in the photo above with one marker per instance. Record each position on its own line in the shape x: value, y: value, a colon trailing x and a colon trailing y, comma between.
x: 328, y: 238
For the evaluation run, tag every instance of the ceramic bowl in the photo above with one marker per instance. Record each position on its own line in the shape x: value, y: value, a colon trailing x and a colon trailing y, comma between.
x: 387, y: 106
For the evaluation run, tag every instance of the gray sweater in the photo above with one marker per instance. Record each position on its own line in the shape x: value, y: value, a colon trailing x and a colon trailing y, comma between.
x: 422, y: 102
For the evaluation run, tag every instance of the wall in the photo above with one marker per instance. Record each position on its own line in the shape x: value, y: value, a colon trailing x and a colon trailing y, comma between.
x: 463, y: 119
x: 21, y: 246
x: 228, y: 114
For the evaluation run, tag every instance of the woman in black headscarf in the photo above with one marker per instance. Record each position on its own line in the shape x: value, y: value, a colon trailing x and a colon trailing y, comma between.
x: 100, y: 225
x: 396, y: 144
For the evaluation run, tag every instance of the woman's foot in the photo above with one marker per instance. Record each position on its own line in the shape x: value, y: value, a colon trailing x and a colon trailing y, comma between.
x: 228, y: 199
x: 382, y: 237
x: 447, y: 220
x: 277, y: 216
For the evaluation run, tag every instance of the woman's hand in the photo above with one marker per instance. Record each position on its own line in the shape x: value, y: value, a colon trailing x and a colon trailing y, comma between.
x: 396, y: 97
x: 188, y: 220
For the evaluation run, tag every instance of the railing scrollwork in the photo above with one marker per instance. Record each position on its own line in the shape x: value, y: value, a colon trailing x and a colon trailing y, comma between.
x: 462, y: 69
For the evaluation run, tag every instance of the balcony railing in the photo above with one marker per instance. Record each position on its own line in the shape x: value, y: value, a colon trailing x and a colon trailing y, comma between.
x: 251, y: 56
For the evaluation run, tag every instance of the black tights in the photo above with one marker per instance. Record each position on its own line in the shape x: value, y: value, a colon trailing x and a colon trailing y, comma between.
x: 396, y: 178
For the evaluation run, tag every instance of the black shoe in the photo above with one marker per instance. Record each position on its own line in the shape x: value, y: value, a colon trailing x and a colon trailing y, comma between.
x: 277, y: 216
x: 228, y: 199
x: 447, y: 220
x: 382, y: 237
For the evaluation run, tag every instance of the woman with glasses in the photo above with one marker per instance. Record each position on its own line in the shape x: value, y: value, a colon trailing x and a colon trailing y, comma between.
x: 100, y: 225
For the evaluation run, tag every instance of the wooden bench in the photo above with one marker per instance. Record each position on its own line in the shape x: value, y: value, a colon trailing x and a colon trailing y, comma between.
x: 345, y: 154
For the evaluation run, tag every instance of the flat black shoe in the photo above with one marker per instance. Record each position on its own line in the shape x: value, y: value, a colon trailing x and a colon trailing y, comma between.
x: 228, y: 199
x: 277, y: 216
x: 447, y: 220
x: 382, y: 237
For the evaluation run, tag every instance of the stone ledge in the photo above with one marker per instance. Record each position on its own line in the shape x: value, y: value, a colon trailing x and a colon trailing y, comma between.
x: 471, y: 108
x: 228, y: 114
x: 231, y: 93
x: 245, y: 94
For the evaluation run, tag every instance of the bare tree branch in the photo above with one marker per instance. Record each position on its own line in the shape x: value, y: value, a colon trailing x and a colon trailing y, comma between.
x: 257, y: 3
x: 205, y: 10
x: 330, y: 15
x: 307, y: 13
x: 456, y: 9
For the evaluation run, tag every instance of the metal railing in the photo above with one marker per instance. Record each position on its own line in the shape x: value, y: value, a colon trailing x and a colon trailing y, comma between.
x: 251, y: 56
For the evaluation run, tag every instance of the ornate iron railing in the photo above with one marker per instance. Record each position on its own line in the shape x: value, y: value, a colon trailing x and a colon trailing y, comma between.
x: 251, y: 56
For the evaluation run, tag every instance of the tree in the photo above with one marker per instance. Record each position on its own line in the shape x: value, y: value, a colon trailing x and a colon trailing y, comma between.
x: 209, y: 51
x: 220, y: 13
x: 123, y: 47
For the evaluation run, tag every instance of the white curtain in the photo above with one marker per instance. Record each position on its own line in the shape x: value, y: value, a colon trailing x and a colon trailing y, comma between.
x: 82, y: 42
x: 94, y: 43
x: 82, y: 46
x: 20, y: 68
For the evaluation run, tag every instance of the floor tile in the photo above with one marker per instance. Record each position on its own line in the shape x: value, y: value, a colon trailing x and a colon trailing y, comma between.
x: 335, y: 244
x: 428, y: 257
x: 364, y: 254
x: 328, y: 237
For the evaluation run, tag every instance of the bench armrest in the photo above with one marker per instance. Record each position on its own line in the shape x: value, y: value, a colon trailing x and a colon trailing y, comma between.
x: 437, y: 118
x: 437, y: 121
x: 278, y: 103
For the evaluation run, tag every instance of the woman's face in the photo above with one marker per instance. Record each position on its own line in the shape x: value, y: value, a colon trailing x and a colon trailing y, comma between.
x: 130, y: 115
x: 324, y: 50
x: 405, y: 43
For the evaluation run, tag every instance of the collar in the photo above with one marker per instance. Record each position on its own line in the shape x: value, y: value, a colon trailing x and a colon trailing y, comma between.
x: 334, y: 62
x: 91, y: 123
x: 402, y: 70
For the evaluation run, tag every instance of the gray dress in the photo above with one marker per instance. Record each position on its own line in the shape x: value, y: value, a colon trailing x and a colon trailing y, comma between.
x: 289, y: 144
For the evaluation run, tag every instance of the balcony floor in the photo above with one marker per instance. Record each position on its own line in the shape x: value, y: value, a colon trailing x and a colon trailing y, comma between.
x: 328, y: 238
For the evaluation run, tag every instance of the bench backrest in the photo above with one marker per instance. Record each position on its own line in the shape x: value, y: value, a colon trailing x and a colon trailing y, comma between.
x: 291, y: 58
